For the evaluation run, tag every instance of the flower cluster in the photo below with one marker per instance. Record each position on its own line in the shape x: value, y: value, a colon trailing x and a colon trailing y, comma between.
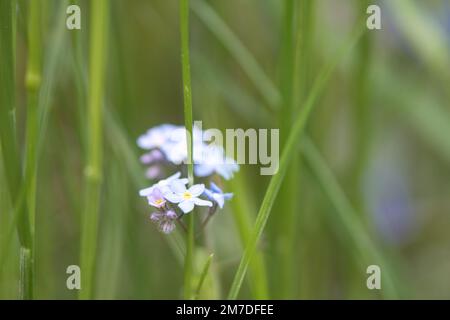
x: 167, y: 144
x: 166, y: 147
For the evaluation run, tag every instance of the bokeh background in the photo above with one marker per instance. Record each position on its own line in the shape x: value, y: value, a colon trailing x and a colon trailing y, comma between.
x: 382, y: 126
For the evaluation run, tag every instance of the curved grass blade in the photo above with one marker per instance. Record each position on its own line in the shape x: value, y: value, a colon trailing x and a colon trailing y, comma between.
x: 246, y: 60
x: 289, y: 150
x: 8, y: 139
x: 203, y: 275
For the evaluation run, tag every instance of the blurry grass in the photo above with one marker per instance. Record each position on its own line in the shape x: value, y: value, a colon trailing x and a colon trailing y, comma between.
x: 246, y: 60
x: 111, y: 256
x: 298, y: 24
x: 289, y: 149
x: 188, y: 123
x: 234, y: 293
x: 348, y: 219
x: 281, y: 237
x: 425, y: 37
x: 361, y: 107
x: 33, y: 79
x: 11, y: 159
x: 94, y: 167
x: 134, y: 260
x: 242, y: 209
x: 203, y: 275
x: 419, y: 108
x: 242, y: 214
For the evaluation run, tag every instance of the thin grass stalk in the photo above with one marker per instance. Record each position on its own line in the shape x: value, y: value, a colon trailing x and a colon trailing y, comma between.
x: 286, y: 156
x: 93, y: 170
x: 53, y: 58
x: 283, y: 227
x: 246, y: 60
x: 188, y: 122
x: 361, y: 108
x: 272, y: 97
x: 203, y: 275
x: 11, y: 159
x: 33, y: 79
x: 305, y: 26
x: 242, y: 208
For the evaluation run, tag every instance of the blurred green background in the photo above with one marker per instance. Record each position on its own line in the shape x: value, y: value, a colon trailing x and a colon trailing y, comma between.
x: 382, y: 126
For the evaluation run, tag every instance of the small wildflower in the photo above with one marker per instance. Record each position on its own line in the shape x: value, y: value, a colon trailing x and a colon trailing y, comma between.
x: 186, y: 198
x: 162, y: 185
x: 175, y: 149
x: 153, y: 172
x: 156, y: 137
x: 165, y: 220
x: 214, y: 161
x: 216, y: 194
x: 153, y: 156
x: 156, y: 198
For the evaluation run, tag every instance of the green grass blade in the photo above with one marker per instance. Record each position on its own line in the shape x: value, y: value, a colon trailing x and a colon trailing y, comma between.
x: 93, y: 171
x: 203, y: 275
x: 294, y: 64
x: 33, y: 79
x: 289, y: 150
x: 242, y: 209
x: 25, y: 281
x: 187, y: 94
x: 424, y: 35
x: 242, y: 216
x: 11, y: 159
x: 245, y: 59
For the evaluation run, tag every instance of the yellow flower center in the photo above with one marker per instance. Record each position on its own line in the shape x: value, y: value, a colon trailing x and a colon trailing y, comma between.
x: 159, y: 201
x: 187, y: 195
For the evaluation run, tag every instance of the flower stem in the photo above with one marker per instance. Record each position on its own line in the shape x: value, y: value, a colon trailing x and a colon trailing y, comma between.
x: 93, y: 170
x: 187, y: 93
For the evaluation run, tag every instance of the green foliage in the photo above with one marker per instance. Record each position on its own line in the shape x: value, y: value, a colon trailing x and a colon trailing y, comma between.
x: 72, y: 104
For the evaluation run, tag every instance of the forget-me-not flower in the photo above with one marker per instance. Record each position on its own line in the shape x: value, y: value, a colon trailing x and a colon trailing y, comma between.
x: 162, y: 185
x: 213, y: 160
x: 186, y: 198
x: 216, y: 194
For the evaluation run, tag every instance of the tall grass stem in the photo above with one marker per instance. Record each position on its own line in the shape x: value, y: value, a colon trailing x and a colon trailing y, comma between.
x: 93, y: 170
x: 188, y: 122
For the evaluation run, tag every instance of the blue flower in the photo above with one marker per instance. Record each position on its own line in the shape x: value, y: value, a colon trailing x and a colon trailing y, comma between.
x: 212, y: 159
x: 216, y: 194
x: 186, y: 199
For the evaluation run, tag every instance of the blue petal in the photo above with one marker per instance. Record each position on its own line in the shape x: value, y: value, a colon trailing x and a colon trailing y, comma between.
x: 215, y: 188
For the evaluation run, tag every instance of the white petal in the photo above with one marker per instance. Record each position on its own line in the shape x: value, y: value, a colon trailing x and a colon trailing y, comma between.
x: 177, y: 186
x: 146, y: 192
x: 201, y: 202
x: 203, y: 170
x: 174, y: 176
x: 219, y: 199
x: 144, y: 142
x: 172, y: 197
x: 197, y: 189
x: 186, y: 206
